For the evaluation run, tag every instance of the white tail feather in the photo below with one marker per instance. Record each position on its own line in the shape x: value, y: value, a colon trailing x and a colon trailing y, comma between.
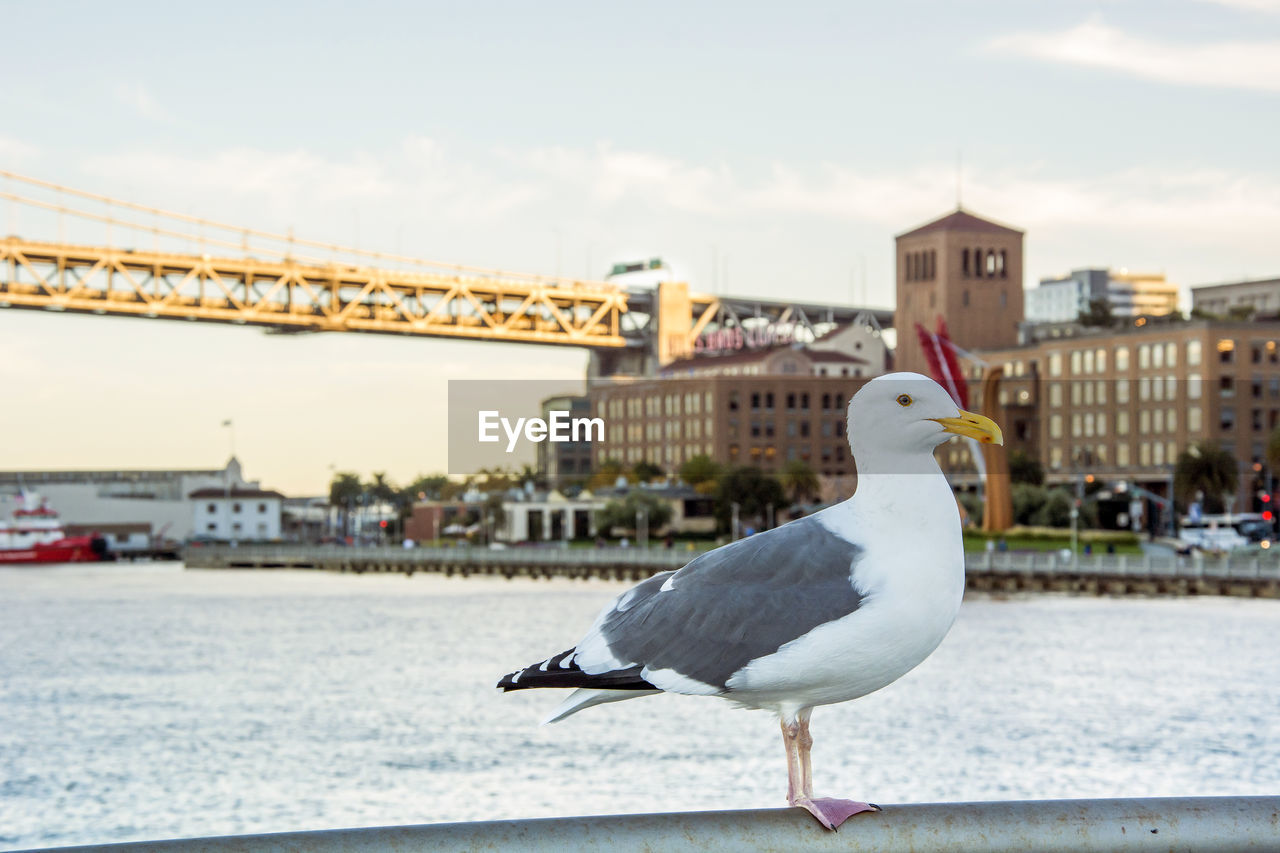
x: 585, y: 697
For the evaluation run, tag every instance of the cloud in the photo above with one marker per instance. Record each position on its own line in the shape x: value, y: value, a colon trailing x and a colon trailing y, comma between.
x: 1272, y: 6
x: 136, y: 97
x: 13, y: 151
x: 1194, y: 201
x: 496, y: 208
x: 1253, y: 65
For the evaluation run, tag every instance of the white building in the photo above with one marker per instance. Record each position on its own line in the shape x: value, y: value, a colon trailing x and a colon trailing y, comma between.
x: 103, y: 498
x: 551, y: 517
x: 1062, y: 300
x: 251, y: 515
x: 1260, y: 298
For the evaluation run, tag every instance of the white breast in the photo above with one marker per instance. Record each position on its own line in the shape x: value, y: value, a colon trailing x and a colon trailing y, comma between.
x: 912, y: 572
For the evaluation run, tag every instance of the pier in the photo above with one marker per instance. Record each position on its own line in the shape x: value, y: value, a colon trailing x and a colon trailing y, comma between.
x: 1097, y: 574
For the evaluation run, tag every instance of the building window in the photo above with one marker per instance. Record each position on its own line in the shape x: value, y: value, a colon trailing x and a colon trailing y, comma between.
x: 1122, y: 453
x: 1144, y: 357
x: 1226, y: 387
x: 212, y: 527
x: 1100, y: 360
x: 1193, y: 353
x: 235, y: 507
x: 1055, y: 364
x: 1122, y: 358
x: 1171, y: 355
x: 1004, y: 268
x: 1193, y: 386
x: 211, y: 508
x: 262, y: 508
x: 1227, y: 351
x: 964, y: 298
x: 1122, y: 390
x: 1227, y: 421
x: 964, y: 262
x: 1122, y: 423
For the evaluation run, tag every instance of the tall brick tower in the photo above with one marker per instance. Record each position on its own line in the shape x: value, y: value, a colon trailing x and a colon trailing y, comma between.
x: 966, y: 269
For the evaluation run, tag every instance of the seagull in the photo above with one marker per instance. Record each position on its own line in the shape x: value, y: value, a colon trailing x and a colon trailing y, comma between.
x: 823, y: 609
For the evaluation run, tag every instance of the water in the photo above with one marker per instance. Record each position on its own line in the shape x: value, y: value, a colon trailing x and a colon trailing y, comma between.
x: 148, y: 702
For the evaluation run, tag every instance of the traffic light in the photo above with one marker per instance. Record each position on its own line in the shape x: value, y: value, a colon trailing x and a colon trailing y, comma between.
x: 383, y: 524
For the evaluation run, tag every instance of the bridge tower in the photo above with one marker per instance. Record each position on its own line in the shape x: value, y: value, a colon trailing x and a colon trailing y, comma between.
x: 966, y: 269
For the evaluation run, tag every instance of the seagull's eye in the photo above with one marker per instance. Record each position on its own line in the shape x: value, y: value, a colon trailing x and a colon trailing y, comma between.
x: 904, y: 400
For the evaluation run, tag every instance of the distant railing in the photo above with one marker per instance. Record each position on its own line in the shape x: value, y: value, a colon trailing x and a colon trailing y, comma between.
x: 1195, y: 825
x: 1250, y: 567
x: 1244, y: 567
x: 656, y: 558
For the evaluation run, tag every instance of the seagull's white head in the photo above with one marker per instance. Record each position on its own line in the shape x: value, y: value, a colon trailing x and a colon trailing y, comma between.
x: 905, y: 415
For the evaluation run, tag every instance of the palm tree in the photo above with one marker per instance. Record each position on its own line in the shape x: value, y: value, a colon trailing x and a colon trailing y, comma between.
x: 1208, y: 469
x: 343, y: 492
x: 799, y: 480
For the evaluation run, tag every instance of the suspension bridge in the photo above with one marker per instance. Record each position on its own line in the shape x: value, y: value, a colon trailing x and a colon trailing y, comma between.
x: 227, y: 273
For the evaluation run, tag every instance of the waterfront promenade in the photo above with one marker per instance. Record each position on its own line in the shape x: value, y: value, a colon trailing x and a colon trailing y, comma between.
x: 1098, y: 574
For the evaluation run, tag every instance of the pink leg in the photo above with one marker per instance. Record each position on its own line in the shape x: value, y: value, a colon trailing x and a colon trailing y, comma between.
x: 829, y: 812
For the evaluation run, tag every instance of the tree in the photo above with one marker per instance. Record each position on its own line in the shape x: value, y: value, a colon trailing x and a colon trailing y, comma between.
x: 494, y: 513
x: 701, y: 472
x: 344, y: 492
x: 529, y: 474
x: 1027, y: 500
x: 432, y: 487
x: 1205, y: 468
x: 623, y: 513
x: 1025, y: 469
x: 752, y: 490
x: 1098, y: 314
x: 606, y: 474
x: 646, y: 472
x: 799, y: 481
x: 1273, y: 450
x: 496, y: 478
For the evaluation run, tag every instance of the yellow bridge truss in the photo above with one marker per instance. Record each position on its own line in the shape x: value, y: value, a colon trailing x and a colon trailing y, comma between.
x: 293, y: 296
x: 263, y: 278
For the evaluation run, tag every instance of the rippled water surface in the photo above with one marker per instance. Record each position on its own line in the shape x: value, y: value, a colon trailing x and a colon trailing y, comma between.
x: 150, y: 702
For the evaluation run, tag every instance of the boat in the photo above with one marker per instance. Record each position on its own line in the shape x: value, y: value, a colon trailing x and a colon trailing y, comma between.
x: 34, y: 534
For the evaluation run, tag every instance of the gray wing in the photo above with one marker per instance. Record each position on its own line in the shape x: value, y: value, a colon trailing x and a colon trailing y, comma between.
x: 735, y: 604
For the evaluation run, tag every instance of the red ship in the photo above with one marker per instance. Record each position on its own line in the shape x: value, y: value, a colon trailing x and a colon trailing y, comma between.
x: 34, y: 534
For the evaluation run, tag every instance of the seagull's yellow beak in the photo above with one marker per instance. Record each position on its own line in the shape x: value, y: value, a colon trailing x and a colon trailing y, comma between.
x: 970, y: 425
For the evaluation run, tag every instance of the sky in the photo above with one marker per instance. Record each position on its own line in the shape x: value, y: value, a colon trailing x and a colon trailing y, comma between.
x: 762, y: 149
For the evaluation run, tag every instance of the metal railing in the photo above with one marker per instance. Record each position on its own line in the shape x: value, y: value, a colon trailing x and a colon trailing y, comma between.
x: 1250, y: 567
x: 656, y: 558
x: 1197, y: 825
x: 1243, y: 567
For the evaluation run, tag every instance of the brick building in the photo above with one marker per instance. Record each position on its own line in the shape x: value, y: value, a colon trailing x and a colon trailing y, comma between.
x: 962, y: 267
x: 1122, y: 405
